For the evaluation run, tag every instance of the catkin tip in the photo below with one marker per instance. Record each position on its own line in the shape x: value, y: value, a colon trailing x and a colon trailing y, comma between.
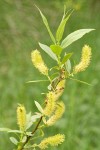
x: 85, y: 60
x: 38, y: 62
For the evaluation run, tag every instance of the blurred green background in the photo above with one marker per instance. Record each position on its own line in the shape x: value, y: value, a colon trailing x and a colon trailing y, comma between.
x: 21, y: 28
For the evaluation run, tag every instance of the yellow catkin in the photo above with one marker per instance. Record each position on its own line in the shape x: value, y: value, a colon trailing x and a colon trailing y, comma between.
x: 59, y: 89
x: 21, y: 117
x: 85, y: 60
x: 52, y: 141
x: 38, y: 62
x: 60, y: 108
x: 50, y: 106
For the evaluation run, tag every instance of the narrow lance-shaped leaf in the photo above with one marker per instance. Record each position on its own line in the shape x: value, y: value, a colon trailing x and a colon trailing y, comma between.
x: 36, y: 81
x: 47, y: 25
x: 61, y: 27
x: 13, y: 140
x: 68, y: 65
x: 80, y: 81
x: 66, y: 57
x: 74, y: 36
x: 56, y: 49
x: 39, y: 107
x: 4, y: 129
x: 48, y: 51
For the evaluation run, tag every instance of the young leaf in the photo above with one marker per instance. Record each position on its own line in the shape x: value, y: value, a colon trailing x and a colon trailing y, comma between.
x: 56, y: 49
x: 74, y: 36
x: 66, y: 57
x: 80, y: 81
x: 47, y: 25
x: 35, y: 81
x: 68, y: 66
x: 4, y: 129
x: 39, y: 107
x: 48, y: 51
x: 15, y: 131
x: 24, y: 139
x: 13, y: 140
x: 61, y: 27
x: 31, y: 119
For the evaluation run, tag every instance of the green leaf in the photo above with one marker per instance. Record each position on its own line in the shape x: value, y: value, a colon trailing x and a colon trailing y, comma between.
x: 54, y: 75
x: 29, y: 122
x: 35, y: 117
x: 80, y: 81
x: 74, y: 36
x: 47, y: 25
x: 13, y: 140
x: 55, y: 68
x: 48, y: 51
x: 68, y: 66
x: 15, y: 131
x: 35, y: 81
x: 66, y: 57
x: 49, y: 87
x: 29, y: 133
x: 31, y: 119
x: 24, y: 139
x: 56, y: 49
x: 4, y: 129
x: 61, y: 27
x: 39, y: 107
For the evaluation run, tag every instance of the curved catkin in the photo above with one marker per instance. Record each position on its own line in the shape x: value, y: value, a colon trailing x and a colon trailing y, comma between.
x: 85, y: 60
x: 52, y: 141
x: 50, y: 106
x: 38, y: 62
x: 59, y: 89
x: 60, y: 108
x: 21, y: 117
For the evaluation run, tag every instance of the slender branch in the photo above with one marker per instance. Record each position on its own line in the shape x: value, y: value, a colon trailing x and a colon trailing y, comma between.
x: 21, y: 147
x: 29, y: 137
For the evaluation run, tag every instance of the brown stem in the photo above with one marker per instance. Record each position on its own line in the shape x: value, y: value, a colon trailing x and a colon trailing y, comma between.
x: 29, y: 137
x: 62, y: 72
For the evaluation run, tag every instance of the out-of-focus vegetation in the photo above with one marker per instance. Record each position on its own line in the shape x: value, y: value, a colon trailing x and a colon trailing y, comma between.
x: 20, y: 29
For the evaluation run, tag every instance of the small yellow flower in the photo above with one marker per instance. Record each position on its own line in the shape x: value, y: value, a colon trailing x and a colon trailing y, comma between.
x: 60, y: 108
x: 21, y: 117
x: 50, y: 106
x: 52, y: 141
x: 85, y: 60
x: 38, y: 62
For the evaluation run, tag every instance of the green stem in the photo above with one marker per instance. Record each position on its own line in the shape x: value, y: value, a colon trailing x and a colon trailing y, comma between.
x: 20, y: 147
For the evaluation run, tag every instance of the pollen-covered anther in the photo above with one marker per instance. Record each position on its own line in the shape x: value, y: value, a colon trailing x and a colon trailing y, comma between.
x: 38, y: 62
x: 52, y: 141
x: 21, y: 117
x: 85, y: 60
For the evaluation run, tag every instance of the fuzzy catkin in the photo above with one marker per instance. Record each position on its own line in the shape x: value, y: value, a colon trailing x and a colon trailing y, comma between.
x: 52, y: 141
x: 60, y: 108
x: 38, y: 62
x: 21, y: 117
x: 51, y: 104
x: 59, y: 89
x: 85, y: 60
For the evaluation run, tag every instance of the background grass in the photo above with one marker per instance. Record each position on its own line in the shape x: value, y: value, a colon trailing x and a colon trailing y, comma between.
x: 21, y: 28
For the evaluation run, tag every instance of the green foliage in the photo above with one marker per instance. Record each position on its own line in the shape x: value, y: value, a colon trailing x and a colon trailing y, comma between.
x: 47, y: 25
x: 74, y: 36
x: 60, y: 30
x: 52, y: 108
x: 48, y: 51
